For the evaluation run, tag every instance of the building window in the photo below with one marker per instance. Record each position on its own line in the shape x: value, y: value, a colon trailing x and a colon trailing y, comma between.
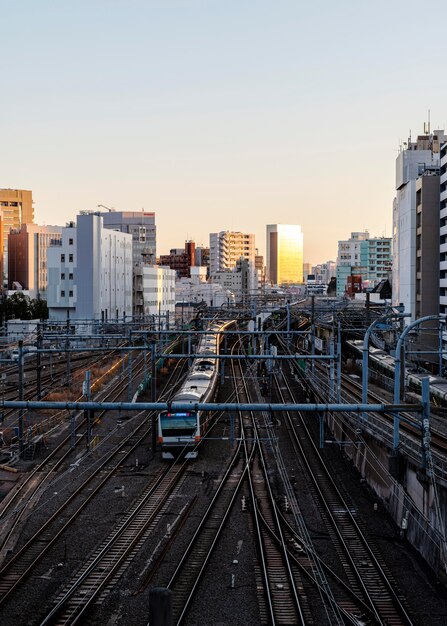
x: 70, y: 258
x: 62, y: 258
x: 62, y: 294
x: 70, y: 242
x: 70, y: 276
x: 70, y: 293
x: 62, y: 276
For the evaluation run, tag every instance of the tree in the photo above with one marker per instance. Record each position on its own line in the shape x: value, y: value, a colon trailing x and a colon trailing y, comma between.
x: 18, y: 306
x: 21, y: 307
x: 39, y: 309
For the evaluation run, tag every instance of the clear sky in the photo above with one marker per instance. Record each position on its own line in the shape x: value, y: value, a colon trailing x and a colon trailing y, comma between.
x: 218, y: 114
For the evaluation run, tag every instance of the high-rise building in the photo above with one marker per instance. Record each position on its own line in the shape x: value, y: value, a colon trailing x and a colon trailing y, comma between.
x: 16, y: 207
x: 227, y: 248
x: 323, y: 272
x: 284, y: 254
x: 154, y: 292
x: 307, y: 269
x: 443, y: 236
x: 27, y: 257
x: 416, y: 225
x: 139, y: 224
x: 243, y: 280
x: 260, y: 267
x: 180, y: 260
x: 61, y: 267
x: 90, y: 271
x: 369, y: 258
x: 203, y: 258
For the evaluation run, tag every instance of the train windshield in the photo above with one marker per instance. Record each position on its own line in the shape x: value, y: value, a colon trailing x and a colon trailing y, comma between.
x: 177, y: 424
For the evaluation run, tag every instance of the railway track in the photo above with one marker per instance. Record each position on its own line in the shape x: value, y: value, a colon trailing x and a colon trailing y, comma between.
x: 24, y: 562
x: 285, y: 599
x: 51, y: 381
x: 363, y: 565
x: 190, y: 571
x: 281, y: 596
x: 382, y: 424
x: 15, y: 507
x: 114, y: 554
x: 279, y: 602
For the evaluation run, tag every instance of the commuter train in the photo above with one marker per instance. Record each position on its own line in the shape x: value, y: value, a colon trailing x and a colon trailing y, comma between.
x: 179, y: 432
x: 383, y: 363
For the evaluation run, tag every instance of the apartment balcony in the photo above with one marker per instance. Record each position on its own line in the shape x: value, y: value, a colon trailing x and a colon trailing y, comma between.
x: 443, y: 282
x: 443, y: 247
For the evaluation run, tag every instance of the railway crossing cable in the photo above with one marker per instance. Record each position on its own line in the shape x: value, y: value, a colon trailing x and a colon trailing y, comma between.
x: 323, y: 584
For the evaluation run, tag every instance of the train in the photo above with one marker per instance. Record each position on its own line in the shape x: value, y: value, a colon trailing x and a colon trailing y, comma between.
x: 384, y: 364
x: 179, y: 432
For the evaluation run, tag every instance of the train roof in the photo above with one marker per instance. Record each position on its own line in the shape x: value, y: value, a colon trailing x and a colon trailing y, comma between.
x: 192, y: 392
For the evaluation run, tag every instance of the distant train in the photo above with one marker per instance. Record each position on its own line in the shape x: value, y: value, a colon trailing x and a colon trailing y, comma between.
x: 179, y: 432
x: 384, y: 364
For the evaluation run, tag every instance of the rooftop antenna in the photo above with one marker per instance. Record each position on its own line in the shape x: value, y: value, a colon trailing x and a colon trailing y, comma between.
x: 427, y: 126
x: 103, y: 206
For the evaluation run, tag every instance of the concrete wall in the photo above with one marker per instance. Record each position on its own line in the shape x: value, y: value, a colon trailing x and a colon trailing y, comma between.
x: 411, y: 497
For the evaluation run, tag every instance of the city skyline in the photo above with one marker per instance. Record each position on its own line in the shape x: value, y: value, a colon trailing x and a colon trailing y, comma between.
x: 216, y: 115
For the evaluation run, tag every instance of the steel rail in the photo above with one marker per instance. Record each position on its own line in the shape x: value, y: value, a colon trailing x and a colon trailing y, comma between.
x: 361, y: 539
x: 274, y: 606
x: 96, y: 574
x: 191, y: 568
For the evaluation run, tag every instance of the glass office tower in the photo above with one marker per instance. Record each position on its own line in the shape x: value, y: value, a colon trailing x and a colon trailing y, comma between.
x: 284, y: 254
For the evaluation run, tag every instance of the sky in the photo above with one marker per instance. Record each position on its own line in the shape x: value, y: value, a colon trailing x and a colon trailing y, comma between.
x: 218, y: 114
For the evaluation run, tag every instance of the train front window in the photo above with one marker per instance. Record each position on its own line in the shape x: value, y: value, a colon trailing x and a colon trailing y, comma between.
x: 178, y: 424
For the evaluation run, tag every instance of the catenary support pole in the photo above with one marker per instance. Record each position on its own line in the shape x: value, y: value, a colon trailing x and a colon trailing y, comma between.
x: 153, y: 398
x: 21, y: 397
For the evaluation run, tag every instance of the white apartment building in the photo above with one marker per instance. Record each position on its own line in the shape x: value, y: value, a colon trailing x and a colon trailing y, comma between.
x: 244, y: 280
x: 227, y: 247
x: 27, y: 258
x: 154, y: 290
x: 189, y: 291
x: 61, y: 265
x: 90, y: 272
x: 368, y: 257
x: 323, y: 272
x: 348, y: 257
x: 418, y: 160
